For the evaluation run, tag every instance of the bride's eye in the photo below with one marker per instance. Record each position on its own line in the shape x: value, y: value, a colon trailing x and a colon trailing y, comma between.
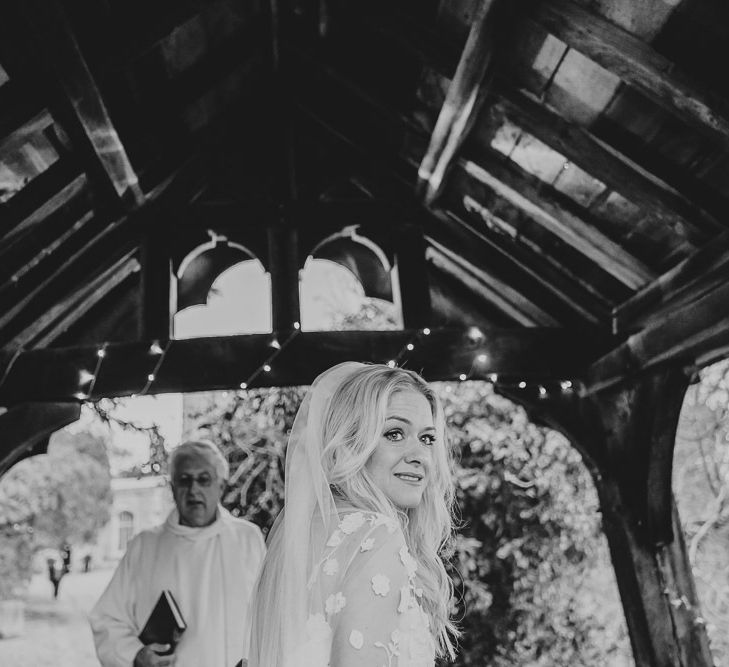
x: 395, y: 435
x: 428, y: 439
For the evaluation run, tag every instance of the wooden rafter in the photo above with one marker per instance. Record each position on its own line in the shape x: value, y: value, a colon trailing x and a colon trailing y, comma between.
x: 579, y: 146
x: 686, y: 282
x: 695, y: 333
x: 563, y: 223
x: 200, y: 364
x: 477, y: 241
x: 489, y: 287
x: 116, y: 236
x: 46, y: 193
x: 462, y: 102
x: 572, y: 141
x: 80, y: 104
x: 400, y: 170
x: 56, y: 320
x: 636, y: 63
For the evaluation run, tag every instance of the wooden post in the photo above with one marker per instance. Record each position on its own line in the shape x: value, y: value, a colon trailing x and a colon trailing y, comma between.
x: 283, y: 265
x: 627, y: 434
x: 413, y: 277
x: 155, y: 318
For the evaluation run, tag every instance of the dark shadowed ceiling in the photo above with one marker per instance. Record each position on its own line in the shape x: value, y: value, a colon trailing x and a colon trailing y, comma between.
x: 560, y: 165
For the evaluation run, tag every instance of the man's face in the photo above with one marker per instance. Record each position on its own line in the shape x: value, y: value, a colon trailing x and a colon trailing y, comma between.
x: 197, y: 489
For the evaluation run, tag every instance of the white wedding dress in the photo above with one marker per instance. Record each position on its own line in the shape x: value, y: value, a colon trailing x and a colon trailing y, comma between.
x: 364, y: 608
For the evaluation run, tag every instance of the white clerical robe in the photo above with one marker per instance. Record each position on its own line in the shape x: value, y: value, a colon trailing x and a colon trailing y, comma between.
x: 211, y: 572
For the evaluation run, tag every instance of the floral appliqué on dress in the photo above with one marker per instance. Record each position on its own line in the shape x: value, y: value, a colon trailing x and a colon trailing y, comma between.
x: 408, y: 642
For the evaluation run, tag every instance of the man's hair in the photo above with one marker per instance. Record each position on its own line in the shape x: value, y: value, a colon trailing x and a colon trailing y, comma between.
x: 351, y: 428
x: 204, y: 448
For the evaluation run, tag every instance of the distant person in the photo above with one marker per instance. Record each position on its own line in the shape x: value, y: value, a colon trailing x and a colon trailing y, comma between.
x: 55, y: 574
x: 86, y: 560
x: 66, y: 557
x: 205, y: 557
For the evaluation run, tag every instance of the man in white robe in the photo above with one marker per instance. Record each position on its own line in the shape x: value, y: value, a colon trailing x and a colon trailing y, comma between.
x: 208, y: 559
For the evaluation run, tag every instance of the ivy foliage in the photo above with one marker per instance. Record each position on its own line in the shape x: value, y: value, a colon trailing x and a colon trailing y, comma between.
x: 62, y: 497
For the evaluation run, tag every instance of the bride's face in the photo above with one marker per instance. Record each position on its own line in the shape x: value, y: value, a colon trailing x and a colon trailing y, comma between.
x: 402, y: 463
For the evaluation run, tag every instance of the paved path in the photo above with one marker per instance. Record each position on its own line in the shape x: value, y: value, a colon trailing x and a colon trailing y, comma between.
x: 57, y: 632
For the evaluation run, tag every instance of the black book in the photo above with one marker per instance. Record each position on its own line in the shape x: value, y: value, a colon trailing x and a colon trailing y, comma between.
x: 165, y: 623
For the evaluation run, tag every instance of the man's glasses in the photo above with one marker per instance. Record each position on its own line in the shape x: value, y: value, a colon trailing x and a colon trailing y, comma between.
x: 186, y: 481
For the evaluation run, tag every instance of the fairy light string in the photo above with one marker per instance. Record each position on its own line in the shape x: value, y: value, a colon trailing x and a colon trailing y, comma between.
x: 278, y: 348
x: 478, y: 362
x: 476, y: 370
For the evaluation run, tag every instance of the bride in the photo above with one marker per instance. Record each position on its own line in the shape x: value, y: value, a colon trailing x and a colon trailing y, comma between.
x: 352, y: 576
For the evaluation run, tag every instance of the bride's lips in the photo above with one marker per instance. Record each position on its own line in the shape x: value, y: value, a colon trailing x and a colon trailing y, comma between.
x: 410, y: 477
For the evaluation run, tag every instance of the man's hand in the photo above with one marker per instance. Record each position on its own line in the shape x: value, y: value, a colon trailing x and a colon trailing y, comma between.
x: 148, y: 656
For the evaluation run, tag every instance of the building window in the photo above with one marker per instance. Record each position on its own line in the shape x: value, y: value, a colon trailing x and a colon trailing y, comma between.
x: 126, y: 529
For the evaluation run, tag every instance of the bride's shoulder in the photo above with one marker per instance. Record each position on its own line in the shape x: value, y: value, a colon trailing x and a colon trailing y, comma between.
x: 364, y: 530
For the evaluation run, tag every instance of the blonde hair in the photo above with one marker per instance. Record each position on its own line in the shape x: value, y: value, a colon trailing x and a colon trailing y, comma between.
x: 351, y: 429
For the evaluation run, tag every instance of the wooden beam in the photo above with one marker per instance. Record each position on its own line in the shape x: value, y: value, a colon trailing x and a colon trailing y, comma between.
x: 462, y: 229
x: 462, y: 103
x: 628, y: 447
x: 18, y: 104
x: 636, y: 63
x: 516, y: 245
x: 26, y: 428
x: 201, y: 364
x: 579, y: 146
x: 45, y: 194
x: 114, y: 237
x: 489, y: 288
x: 534, y: 200
x: 700, y: 273
x: 25, y: 131
x: 56, y: 320
x: 80, y: 105
x: 575, y: 143
x: 137, y: 38
x: 698, y: 330
x: 399, y: 188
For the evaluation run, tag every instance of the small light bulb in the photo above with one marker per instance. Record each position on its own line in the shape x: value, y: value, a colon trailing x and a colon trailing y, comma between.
x: 101, y: 353
x: 565, y: 384
x: 275, y: 344
x: 155, y: 348
x: 482, y: 358
x: 243, y: 385
x: 81, y: 396
x: 266, y: 368
x: 391, y: 363
x: 475, y: 334
x: 410, y: 347
x: 492, y: 377
x: 426, y: 331
x: 542, y: 392
x: 522, y: 385
x: 150, y: 377
x: 297, y: 325
x: 462, y: 377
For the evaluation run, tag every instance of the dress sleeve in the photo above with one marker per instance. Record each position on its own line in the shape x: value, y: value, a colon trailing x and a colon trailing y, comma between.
x: 365, y: 629
x: 112, y: 619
